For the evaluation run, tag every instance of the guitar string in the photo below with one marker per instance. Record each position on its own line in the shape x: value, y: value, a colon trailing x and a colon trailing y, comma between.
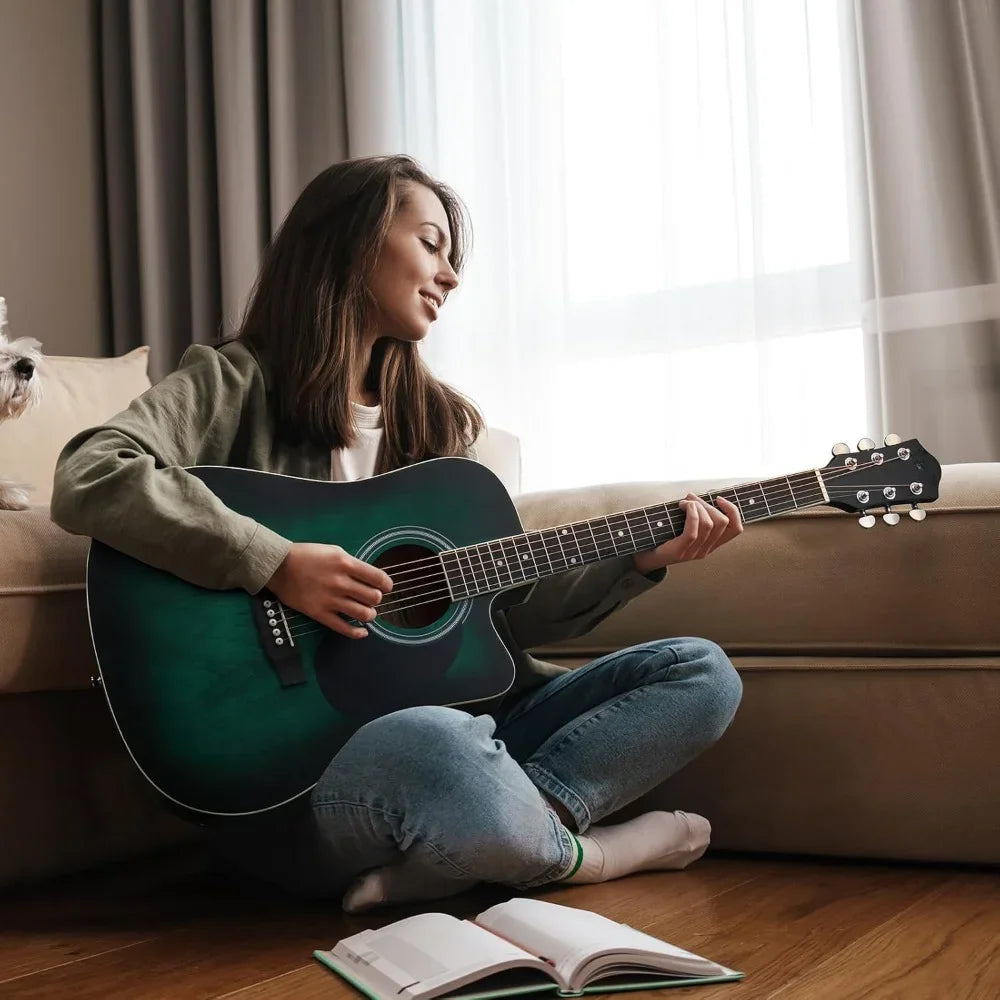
x: 438, y: 576
x: 430, y: 586
x: 399, y: 570
x: 436, y: 598
x: 553, y: 552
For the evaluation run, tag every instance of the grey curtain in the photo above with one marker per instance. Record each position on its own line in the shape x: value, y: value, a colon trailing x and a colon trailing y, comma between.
x: 929, y: 90
x: 215, y: 114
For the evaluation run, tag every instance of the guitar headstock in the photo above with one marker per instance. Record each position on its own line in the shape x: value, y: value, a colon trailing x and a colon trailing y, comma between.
x: 873, y: 480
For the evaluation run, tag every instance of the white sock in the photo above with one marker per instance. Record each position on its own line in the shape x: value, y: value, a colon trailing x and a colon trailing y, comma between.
x: 399, y: 884
x: 655, y: 841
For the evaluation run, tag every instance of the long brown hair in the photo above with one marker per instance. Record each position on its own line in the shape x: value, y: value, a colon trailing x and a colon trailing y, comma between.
x: 310, y: 304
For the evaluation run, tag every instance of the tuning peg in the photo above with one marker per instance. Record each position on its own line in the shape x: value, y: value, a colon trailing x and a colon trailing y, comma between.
x: 840, y: 449
x: 868, y: 521
x: 890, y: 517
x: 917, y: 513
x: 866, y: 444
x: 892, y: 439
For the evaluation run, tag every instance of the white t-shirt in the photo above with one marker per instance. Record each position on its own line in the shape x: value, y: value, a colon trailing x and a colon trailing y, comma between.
x: 358, y: 462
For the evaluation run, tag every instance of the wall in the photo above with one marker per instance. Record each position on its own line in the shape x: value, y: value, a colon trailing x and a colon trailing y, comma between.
x: 50, y: 255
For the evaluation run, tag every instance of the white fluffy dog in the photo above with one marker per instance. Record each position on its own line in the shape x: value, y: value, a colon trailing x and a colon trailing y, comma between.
x: 20, y: 389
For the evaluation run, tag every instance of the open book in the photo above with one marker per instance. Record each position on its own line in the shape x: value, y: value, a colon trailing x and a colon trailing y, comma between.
x: 521, y: 946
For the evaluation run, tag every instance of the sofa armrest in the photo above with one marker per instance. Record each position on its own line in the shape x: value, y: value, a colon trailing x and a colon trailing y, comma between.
x: 813, y: 581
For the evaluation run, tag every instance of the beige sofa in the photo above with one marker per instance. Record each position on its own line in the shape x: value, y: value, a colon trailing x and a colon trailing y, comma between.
x: 870, y: 660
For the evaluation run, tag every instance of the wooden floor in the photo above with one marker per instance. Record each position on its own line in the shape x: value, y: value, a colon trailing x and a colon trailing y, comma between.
x: 798, y: 929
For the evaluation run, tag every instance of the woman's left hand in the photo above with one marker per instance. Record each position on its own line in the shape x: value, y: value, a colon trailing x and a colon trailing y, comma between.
x: 705, y: 529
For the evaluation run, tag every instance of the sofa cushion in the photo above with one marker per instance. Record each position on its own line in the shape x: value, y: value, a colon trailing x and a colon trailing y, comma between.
x: 77, y: 393
x: 43, y: 612
x: 892, y: 759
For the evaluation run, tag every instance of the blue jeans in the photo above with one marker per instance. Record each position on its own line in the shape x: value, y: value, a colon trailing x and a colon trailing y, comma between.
x: 460, y: 794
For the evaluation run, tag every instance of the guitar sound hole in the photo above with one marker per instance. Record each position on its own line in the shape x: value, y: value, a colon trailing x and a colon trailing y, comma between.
x: 418, y: 582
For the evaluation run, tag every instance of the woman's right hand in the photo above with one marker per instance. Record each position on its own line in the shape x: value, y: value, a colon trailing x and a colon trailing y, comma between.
x: 325, y: 582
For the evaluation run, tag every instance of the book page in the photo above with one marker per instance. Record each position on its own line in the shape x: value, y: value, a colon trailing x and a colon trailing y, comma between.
x: 535, y: 926
x: 580, y: 943
x: 428, y: 955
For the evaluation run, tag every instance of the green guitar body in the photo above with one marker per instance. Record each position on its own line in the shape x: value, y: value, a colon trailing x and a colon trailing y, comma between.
x: 222, y: 728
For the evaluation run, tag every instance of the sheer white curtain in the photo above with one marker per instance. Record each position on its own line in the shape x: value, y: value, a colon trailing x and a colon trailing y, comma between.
x: 663, y: 283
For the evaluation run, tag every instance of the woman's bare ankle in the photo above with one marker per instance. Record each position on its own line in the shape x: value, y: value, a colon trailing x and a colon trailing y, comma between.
x: 561, y: 811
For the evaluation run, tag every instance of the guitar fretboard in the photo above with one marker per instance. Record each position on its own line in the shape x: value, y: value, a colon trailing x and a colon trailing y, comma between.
x: 504, y: 563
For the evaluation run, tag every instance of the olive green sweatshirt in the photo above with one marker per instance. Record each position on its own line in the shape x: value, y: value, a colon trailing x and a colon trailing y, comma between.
x: 125, y: 484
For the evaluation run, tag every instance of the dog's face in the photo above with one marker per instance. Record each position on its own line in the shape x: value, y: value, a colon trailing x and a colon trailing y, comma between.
x: 20, y: 387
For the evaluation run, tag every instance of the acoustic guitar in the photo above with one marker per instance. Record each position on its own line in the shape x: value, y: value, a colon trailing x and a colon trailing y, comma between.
x: 233, y: 704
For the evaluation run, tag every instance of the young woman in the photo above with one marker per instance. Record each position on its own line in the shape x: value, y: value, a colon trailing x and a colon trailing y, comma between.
x: 324, y: 381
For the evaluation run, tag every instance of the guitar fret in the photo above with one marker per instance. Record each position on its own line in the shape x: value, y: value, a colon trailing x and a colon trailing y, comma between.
x: 518, y: 562
x: 489, y: 563
x: 598, y: 538
x: 616, y: 532
x: 506, y: 561
x: 561, y: 549
x: 630, y: 535
x: 526, y: 556
x: 461, y: 570
x: 808, y: 500
x: 453, y: 584
x: 735, y: 498
x: 668, y: 516
x: 579, y: 557
x: 649, y: 526
x: 566, y: 538
x: 562, y: 552
x: 469, y: 570
x: 611, y: 535
x: 482, y: 563
x: 538, y: 537
x: 603, y: 544
x: 763, y: 496
x: 470, y: 566
x: 539, y: 547
x: 661, y: 532
x: 492, y: 565
x: 552, y: 548
x: 513, y: 560
x: 783, y: 483
x: 751, y: 502
x: 500, y: 563
x: 664, y: 528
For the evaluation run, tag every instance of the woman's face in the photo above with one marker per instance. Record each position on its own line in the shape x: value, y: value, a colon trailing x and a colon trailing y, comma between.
x: 413, y: 275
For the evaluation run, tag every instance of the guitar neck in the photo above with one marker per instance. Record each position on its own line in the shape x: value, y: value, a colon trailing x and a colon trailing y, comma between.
x: 503, y: 563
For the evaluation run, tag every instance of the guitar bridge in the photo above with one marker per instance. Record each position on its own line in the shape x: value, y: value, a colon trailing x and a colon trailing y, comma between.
x: 277, y: 639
